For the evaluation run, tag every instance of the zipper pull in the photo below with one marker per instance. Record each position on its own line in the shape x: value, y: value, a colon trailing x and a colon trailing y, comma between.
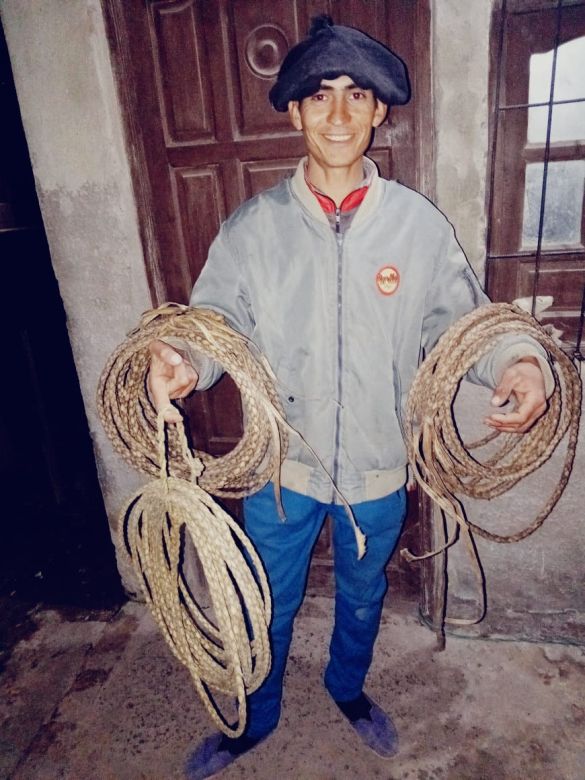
x: 338, y: 220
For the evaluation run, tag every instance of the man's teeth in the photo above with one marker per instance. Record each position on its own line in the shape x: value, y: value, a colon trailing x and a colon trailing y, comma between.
x: 338, y: 137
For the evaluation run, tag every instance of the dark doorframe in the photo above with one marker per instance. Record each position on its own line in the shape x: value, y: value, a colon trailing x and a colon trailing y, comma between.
x: 55, y: 544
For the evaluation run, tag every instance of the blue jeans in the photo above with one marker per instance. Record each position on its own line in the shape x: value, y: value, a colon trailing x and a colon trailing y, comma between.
x: 285, y: 549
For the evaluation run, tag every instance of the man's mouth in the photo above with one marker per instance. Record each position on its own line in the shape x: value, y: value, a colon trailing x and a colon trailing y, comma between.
x: 337, y: 137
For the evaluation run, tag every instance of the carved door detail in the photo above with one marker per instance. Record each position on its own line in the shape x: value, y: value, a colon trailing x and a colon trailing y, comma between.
x: 194, y: 77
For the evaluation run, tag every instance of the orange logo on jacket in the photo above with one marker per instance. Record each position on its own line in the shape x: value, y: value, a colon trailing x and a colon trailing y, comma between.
x: 387, y: 280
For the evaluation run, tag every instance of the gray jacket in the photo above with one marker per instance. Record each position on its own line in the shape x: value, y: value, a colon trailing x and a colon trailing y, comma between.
x: 343, y: 320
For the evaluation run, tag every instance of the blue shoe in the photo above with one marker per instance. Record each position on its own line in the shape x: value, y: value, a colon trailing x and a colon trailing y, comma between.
x: 377, y: 730
x: 209, y: 758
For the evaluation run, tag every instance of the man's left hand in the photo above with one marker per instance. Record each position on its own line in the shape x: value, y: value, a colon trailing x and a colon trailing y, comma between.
x: 525, y: 383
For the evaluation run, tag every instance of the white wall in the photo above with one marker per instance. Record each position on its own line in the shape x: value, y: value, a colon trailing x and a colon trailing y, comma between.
x: 460, y: 86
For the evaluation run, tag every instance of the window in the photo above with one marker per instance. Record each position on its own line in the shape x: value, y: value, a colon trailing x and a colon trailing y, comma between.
x: 536, y: 234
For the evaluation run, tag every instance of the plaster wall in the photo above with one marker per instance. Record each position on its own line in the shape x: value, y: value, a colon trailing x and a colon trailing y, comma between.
x: 71, y: 116
x: 460, y: 87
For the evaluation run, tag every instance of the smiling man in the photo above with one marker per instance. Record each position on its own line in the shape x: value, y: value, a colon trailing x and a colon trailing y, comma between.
x: 343, y: 280
x: 337, y: 123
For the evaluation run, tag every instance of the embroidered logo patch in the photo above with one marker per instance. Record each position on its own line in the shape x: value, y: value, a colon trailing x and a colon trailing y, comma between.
x: 387, y: 280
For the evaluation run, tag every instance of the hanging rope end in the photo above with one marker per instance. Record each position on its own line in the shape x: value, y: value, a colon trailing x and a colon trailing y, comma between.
x: 361, y: 540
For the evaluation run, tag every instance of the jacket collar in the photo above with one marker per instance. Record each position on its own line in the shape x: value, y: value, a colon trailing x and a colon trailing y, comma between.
x: 309, y: 201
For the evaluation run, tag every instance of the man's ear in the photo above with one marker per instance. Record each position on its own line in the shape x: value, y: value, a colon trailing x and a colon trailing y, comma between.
x: 294, y: 114
x: 380, y: 113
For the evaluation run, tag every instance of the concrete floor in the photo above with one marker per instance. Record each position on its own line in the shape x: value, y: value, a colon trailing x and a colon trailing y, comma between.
x: 96, y: 696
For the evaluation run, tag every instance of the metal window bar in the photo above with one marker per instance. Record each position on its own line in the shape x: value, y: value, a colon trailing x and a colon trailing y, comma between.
x: 551, y: 96
x: 541, y: 105
x: 577, y: 352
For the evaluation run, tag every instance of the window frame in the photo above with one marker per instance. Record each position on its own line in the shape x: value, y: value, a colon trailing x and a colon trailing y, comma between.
x: 513, y: 270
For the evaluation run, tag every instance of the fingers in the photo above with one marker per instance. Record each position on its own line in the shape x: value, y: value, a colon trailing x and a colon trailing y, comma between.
x: 523, y: 381
x: 161, y: 351
x: 518, y: 421
x: 170, y: 376
x: 503, y: 391
x: 171, y: 414
x: 159, y: 393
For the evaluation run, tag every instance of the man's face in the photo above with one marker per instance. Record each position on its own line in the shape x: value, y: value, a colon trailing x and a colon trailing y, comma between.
x: 337, y: 122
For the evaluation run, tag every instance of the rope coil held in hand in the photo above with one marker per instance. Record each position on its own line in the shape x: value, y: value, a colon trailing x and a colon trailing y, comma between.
x: 442, y: 463
x: 129, y: 418
x: 228, y: 652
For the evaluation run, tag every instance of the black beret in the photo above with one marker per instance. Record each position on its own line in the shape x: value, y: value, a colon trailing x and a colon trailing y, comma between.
x: 332, y: 50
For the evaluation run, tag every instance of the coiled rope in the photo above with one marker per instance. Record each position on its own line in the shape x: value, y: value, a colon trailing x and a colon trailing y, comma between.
x: 129, y: 418
x: 228, y: 653
x: 442, y: 463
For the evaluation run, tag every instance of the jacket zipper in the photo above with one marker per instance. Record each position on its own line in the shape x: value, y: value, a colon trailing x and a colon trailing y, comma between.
x: 336, y: 452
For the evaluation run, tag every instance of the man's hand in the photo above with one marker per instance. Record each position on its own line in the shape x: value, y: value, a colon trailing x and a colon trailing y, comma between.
x: 170, y: 376
x: 524, y: 381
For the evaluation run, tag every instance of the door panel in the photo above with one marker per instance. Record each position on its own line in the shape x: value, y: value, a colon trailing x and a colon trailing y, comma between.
x: 260, y: 33
x: 180, y: 56
x: 260, y: 175
x: 194, y: 78
x: 200, y: 208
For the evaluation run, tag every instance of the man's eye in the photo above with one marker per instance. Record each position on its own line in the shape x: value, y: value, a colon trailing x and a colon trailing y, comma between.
x: 358, y: 95
x: 318, y: 96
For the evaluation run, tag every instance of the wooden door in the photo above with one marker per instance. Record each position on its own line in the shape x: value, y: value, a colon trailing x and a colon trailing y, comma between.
x: 194, y: 78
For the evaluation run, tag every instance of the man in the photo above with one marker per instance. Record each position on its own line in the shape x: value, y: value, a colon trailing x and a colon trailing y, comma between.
x: 342, y: 279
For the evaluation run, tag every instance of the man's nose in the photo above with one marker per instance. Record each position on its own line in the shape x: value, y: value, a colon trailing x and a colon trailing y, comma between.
x: 339, y: 112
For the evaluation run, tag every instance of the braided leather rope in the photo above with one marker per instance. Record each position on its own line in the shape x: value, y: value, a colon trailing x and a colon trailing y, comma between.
x: 129, y: 417
x: 226, y: 651
x: 440, y: 460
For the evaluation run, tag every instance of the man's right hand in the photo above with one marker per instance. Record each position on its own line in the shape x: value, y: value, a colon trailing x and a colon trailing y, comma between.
x: 170, y: 376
